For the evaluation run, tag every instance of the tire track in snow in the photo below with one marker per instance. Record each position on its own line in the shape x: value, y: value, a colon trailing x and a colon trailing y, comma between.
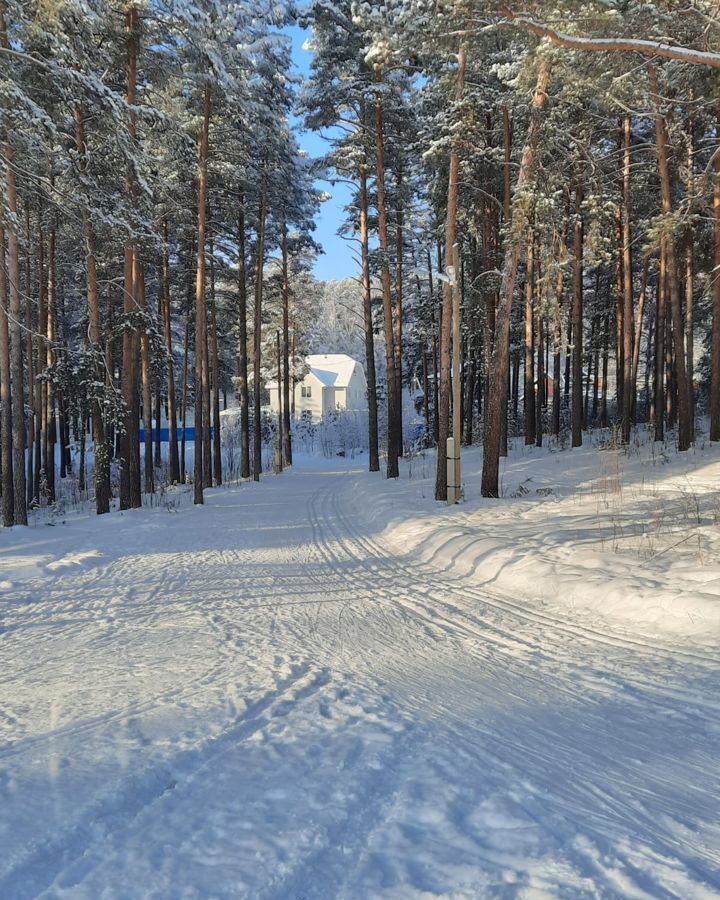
x: 87, y: 842
x: 439, y: 584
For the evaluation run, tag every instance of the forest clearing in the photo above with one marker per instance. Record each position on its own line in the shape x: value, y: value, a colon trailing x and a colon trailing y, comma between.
x: 362, y: 695
x: 359, y: 449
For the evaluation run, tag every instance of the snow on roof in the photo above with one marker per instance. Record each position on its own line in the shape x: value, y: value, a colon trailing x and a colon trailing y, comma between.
x: 332, y: 369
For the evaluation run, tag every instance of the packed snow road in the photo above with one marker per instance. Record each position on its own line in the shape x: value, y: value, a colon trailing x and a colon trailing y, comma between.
x: 257, y: 700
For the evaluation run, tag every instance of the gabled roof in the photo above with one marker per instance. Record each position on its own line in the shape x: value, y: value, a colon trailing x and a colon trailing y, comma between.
x: 332, y: 369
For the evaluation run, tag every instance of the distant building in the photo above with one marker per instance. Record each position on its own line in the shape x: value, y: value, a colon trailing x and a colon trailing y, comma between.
x: 334, y: 382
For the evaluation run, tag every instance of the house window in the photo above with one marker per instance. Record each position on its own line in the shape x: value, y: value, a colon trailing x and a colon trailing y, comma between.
x: 306, y: 391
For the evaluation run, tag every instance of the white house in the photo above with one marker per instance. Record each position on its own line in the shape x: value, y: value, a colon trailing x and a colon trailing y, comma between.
x: 333, y: 382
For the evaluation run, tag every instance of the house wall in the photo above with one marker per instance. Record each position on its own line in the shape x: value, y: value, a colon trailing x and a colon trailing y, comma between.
x: 325, y: 399
x: 356, y: 398
x: 315, y: 404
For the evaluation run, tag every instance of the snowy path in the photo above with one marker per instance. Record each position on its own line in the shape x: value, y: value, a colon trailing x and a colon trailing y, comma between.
x: 256, y: 699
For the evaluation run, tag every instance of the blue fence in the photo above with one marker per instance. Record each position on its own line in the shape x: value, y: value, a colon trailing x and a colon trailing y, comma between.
x: 165, y: 434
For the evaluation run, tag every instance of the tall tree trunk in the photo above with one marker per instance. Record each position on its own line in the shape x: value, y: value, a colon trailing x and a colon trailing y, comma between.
x: 540, y: 400
x: 30, y: 486
x: 447, y: 304
x: 435, y: 329
x: 596, y: 370
x: 167, y: 328
x: 100, y: 449
x: 206, y: 395
x: 279, y: 447
x: 393, y: 450
x: 374, y: 458
x: 507, y: 148
x: 16, y: 344
x: 242, y: 346
x: 590, y: 356
x: 577, y: 315
x: 110, y: 363
x: 130, y: 495
x: 690, y: 278
x: 257, y: 328
x: 200, y: 309
x: 670, y: 374
x: 217, y: 450
x: 715, y: 333
x: 627, y: 404
x: 286, y: 386
x: 426, y: 389
x: 16, y: 349
x: 649, y: 364
x: 497, y: 394
x: 489, y: 243
x: 605, y: 369
x: 399, y: 247
x: 184, y: 402
x: 685, y: 436
x: 8, y: 484
x: 638, y: 332
x: 557, y: 322
x: 660, y: 317
x: 619, y: 313
x: 40, y: 356
x: 149, y: 481
x: 50, y: 429
x: 528, y: 371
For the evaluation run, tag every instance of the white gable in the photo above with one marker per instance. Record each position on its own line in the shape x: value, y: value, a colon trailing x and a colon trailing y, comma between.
x: 332, y: 369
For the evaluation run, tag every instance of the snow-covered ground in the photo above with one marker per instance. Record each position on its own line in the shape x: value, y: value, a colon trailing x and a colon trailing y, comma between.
x: 327, y: 686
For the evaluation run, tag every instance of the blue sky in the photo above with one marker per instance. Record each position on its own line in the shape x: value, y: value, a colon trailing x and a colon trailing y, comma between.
x: 337, y: 261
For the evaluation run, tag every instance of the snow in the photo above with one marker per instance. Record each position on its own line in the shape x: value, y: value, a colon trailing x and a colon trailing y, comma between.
x: 332, y: 369
x: 325, y: 685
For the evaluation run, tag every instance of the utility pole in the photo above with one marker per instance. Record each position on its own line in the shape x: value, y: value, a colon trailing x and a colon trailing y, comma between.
x: 454, y: 478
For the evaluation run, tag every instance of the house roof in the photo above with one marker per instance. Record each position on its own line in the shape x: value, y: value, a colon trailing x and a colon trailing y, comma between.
x: 332, y: 369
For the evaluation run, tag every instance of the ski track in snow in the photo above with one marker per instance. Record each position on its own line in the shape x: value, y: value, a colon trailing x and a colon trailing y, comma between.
x: 260, y: 699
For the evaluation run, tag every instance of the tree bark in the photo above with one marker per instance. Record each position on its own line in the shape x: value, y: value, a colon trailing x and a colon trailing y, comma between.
x: 8, y: 484
x: 29, y: 467
x: 216, y: 446
x: 447, y: 304
x: 16, y: 348
x: 184, y: 403
x: 130, y: 496
x: 638, y: 331
x: 497, y: 395
x: 628, y: 386
x: 257, y: 329
x: 540, y: 398
x: 149, y: 481
x: 100, y: 449
x: 399, y: 247
x: 40, y: 356
x: 528, y: 370
x: 242, y: 346
x: 715, y: 333
x: 174, y: 459
x: 16, y: 344
x: 557, y: 331
x: 286, y: 386
x: 200, y: 308
x: 374, y: 458
x: 685, y: 436
x: 51, y: 321
x: 393, y: 450
x: 615, y: 45
x: 660, y: 345
x: 577, y: 315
